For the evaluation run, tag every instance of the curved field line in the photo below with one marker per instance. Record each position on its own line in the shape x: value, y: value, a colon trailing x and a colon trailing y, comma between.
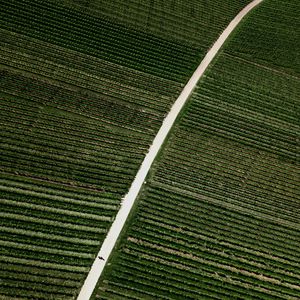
x: 129, y: 199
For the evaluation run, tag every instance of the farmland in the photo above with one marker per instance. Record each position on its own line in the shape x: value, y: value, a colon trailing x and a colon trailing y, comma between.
x: 195, y: 23
x: 83, y: 93
x: 219, y: 215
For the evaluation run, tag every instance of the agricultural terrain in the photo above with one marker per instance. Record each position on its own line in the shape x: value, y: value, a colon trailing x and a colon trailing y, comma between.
x: 219, y: 215
x: 84, y: 86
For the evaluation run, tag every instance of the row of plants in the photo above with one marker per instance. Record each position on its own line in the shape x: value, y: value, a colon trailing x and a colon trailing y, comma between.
x: 250, y: 89
x: 241, y: 199
x: 206, y: 278
x: 76, y: 129
x: 215, y: 248
x: 208, y: 243
x: 228, y: 231
x: 236, y: 216
x: 277, y: 25
x: 55, y: 135
x: 240, y: 226
x: 27, y: 188
x: 218, y: 216
x: 112, y: 42
x: 85, y: 78
x: 195, y: 22
x: 85, y: 63
x: 46, y: 236
x: 93, y: 131
x: 139, y: 101
x: 227, y: 179
x: 247, y: 189
x: 158, y: 236
x: 204, y: 281
x: 191, y: 262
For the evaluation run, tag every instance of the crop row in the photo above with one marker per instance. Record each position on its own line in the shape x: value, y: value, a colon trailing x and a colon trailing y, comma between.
x: 200, y: 144
x: 239, y: 162
x: 208, y: 243
x: 252, y: 94
x: 184, y: 22
x: 205, y: 279
x: 221, y: 180
x: 225, y: 231
x: 221, y: 230
x: 227, y: 177
x: 107, y: 95
x: 71, y: 15
x: 76, y: 168
x: 86, y: 64
x: 210, y: 99
x: 56, y: 191
x: 238, y: 184
x: 278, y: 49
x: 205, y: 205
x: 247, y: 134
x: 236, y: 220
x: 30, y: 217
x: 93, y: 154
x: 141, y: 11
x: 165, y: 283
x: 180, y: 237
x: 116, y: 45
x: 218, y: 217
x: 65, y: 173
x: 65, y: 146
x: 62, y: 112
x: 193, y: 283
x: 79, y: 124
x: 91, y: 130
x: 188, y: 265
x: 106, y: 88
x: 242, y: 203
x: 48, y: 238
x: 246, y: 201
x: 23, y: 132
x: 227, y: 120
x: 40, y: 202
x: 82, y: 176
x: 245, y: 276
x: 51, y: 191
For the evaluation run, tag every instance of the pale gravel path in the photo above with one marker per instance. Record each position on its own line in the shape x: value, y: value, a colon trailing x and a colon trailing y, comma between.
x: 128, y: 201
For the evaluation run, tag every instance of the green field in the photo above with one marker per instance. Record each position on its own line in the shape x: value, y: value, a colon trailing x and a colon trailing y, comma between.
x: 219, y: 215
x: 195, y: 23
x: 84, y: 86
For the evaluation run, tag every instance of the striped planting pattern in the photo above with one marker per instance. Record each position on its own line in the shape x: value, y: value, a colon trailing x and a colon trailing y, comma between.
x: 219, y: 215
x: 83, y: 93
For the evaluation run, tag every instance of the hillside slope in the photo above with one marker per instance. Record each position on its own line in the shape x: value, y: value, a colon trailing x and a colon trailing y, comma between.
x: 83, y: 92
x: 219, y: 215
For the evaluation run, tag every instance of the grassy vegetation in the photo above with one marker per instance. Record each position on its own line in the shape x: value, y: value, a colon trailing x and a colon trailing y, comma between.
x: 219, y: 215
x: 83, y: 93
x: 273, y: 30
x: 78, y: 31
x: 196, y: 23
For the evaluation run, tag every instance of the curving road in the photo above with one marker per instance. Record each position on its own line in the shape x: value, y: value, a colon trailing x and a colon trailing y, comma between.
x: 128, y: 201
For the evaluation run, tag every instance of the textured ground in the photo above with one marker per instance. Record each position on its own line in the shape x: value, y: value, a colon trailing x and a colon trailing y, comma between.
x: 219, y: 215
x: 85, y: 86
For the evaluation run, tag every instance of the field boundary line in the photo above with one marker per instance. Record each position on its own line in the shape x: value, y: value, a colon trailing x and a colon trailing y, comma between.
x: 129, y: 199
